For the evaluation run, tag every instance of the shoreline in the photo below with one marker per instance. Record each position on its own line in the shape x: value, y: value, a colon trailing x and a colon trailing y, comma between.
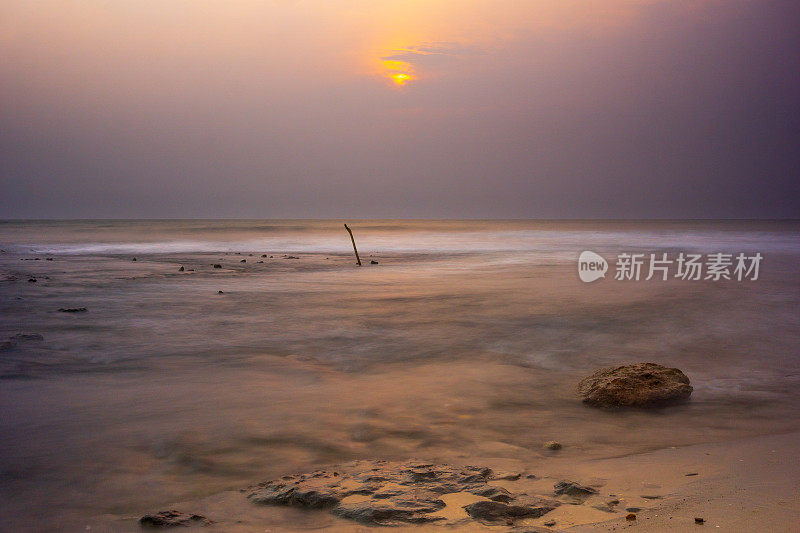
x: 744, y: 484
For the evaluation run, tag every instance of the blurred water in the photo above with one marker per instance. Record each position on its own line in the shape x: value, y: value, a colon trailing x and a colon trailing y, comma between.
x: 466, y: 340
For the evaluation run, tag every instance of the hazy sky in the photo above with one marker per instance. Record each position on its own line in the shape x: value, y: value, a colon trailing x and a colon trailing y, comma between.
x: 412, y: 108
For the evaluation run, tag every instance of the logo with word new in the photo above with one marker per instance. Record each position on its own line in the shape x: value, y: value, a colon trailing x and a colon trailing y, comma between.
x: 591, y: 266
x: 716, y: 266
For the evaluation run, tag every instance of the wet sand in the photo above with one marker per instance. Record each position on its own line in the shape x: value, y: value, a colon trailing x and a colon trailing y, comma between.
x: 744, y: 485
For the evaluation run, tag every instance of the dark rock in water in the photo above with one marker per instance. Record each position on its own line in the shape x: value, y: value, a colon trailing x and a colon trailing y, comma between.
x: 396, y: 493
x: 640, y: 385
x: 290, y: 257
x: 570, y: 488
x: 698, y: 520
x: 49, y: 259
x: 134, y: 259
x: 173, y: 518
x: 217, y: 265
x: 27, y: 337
x: 263, y: 255
x: 220, y: 292
x: 505, y: 513
x: 181, y: 269
x: 243, y: 261
x: 73, y: 309
x: 373, y: 262
x: 31, y: 280
x: 552, y: 445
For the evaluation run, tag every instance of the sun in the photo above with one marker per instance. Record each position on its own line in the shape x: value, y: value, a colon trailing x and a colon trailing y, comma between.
x: 401, y: 78
x: 398, y: 72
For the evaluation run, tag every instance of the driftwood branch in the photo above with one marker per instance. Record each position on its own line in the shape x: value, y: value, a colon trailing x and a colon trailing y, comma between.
x: 358, y: 259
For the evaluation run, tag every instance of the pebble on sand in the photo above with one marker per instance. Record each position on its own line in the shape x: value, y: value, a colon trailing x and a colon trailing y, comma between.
x: 698, y: 520
x: 631, y: 516
x: 552, y: 445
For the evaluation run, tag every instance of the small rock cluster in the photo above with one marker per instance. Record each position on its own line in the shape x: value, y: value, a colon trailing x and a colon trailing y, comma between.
x: 393, y: 493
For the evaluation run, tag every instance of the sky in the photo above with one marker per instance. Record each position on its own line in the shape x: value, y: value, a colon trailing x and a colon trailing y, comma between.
x: 400, y: 109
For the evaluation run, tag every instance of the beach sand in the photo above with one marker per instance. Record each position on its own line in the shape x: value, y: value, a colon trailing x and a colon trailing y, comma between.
x: 745, y: 485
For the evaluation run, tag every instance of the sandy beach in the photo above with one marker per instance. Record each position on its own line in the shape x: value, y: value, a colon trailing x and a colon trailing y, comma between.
x: 746, y: 485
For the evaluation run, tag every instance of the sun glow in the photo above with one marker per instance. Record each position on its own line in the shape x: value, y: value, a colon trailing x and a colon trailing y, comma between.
x: 398, y: 72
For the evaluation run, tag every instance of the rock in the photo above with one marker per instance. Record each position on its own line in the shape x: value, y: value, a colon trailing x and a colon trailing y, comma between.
x: 632, y: 509
x: 217, y: 265
x: 507, y: 476
x: 396, y: 493
x: 570, y: 488
x: 173, y: 518
x: 505, y: 513
x: 73, y: 309
x: 290, y: 257
x: 552, y: 445
x: 134, y: 259
x: 651, y: 496
x: 220, y: 292
x: 414, y: 510
x: 698, y: 520
x: 691, y: 474
x: 373, y: 262
x: 260, y: 261
x: 243, y: 261
x: 630, y: 516
x: 549, y: 523
x: 27, y: 337
x: 181, y: 269
x: 263, y: 255
x: 641, y: 385
x: 31, y: 280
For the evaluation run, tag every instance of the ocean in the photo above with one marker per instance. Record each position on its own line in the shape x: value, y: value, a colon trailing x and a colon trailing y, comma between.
x: 465, y: 340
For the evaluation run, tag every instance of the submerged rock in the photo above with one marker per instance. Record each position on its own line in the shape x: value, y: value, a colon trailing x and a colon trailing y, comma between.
x: 73, y: 310
x: 505, y: 513
x: 640, y: 385
x: 173, y: 518
x: 395, y: 493
x: 570, y: 488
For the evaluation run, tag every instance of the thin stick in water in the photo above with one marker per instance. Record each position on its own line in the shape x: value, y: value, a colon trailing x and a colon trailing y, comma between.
x: 358, y: 259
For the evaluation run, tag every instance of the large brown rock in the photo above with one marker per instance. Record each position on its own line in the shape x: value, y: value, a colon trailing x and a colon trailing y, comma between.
x: 639, y: 385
